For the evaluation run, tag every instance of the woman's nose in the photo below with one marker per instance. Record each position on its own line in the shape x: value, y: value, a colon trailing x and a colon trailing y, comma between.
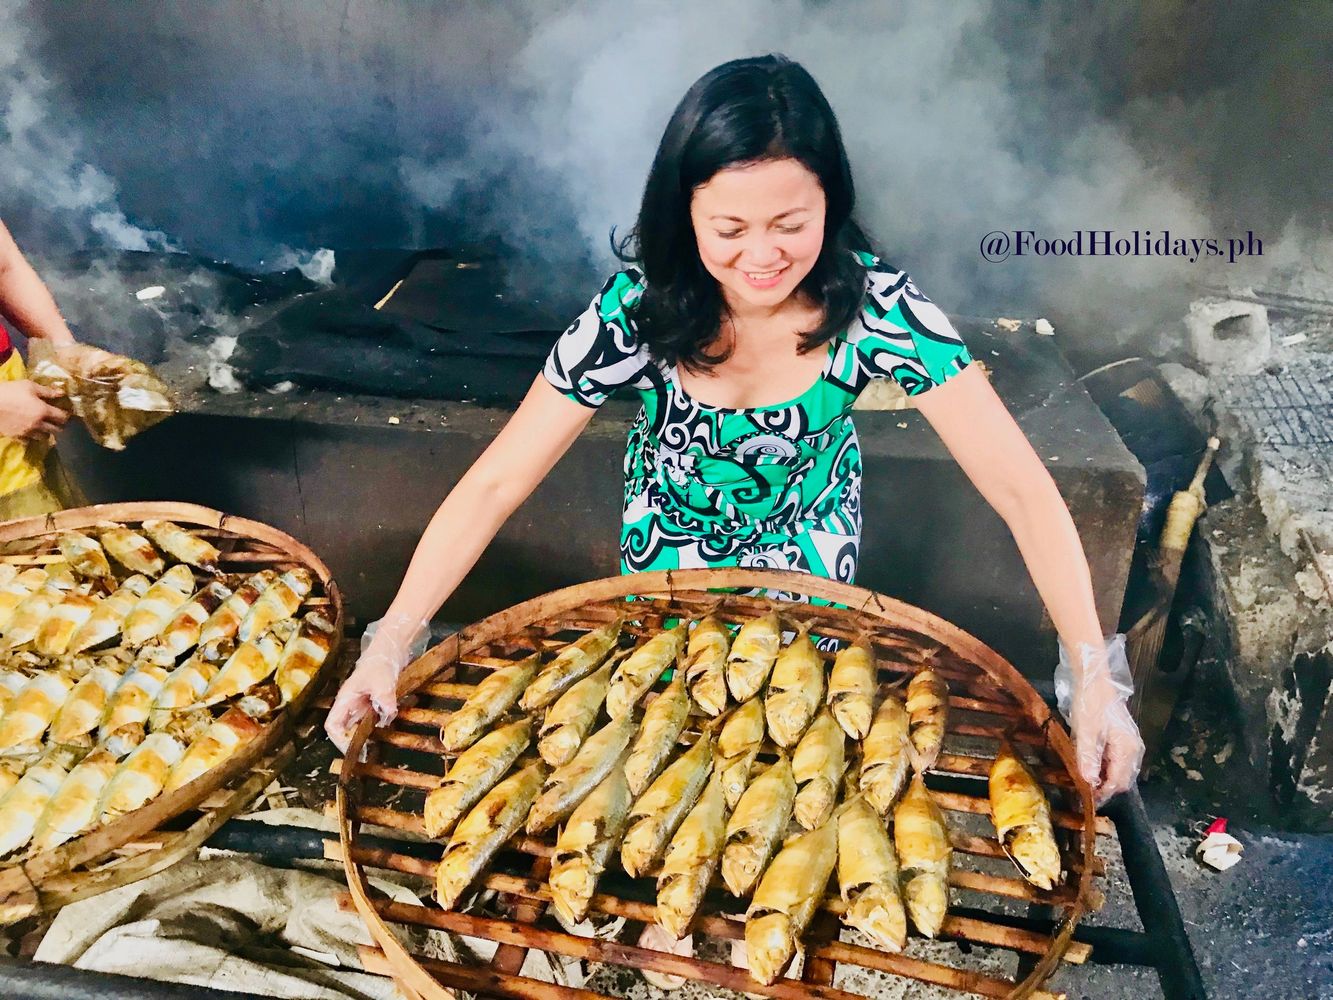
x: 762, y: 251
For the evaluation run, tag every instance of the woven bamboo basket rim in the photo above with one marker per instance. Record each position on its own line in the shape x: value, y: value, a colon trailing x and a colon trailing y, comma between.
x: 862, y: 609
x: 24, y: 879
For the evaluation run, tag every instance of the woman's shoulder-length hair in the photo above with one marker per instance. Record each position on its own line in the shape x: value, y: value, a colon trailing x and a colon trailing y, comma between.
x: 744, y: 111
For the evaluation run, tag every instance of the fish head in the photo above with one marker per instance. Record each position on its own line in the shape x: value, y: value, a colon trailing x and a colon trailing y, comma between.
x: 769, y: 945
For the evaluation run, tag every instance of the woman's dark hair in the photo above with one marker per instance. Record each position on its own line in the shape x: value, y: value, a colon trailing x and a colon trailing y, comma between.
x: 745, y: 111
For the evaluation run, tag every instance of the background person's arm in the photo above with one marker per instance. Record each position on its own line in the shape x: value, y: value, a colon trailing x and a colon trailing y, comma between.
x: 24, y: 300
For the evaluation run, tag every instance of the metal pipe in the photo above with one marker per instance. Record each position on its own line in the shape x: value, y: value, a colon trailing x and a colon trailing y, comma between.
x: 1155, y: 899
x: 25, y: 980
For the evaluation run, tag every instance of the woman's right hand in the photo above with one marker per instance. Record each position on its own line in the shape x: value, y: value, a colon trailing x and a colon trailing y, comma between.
x: 373, y: 684
x: 25, y: 412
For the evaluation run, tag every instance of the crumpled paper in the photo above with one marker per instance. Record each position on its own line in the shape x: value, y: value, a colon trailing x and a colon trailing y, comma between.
x: 116, y: 397
x: 1219, y: 849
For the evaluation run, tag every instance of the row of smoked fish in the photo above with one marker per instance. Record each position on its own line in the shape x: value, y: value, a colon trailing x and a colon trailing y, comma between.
x: 129, y: 666
x: 680, y: 811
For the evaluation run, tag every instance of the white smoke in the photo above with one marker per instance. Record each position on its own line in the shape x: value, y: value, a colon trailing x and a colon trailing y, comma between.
x: 411, y: 124
x: 42, y: 158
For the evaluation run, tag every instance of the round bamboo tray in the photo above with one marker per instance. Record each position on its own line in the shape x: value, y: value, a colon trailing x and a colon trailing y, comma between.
x: 78, y: 868
x: 989, y: 700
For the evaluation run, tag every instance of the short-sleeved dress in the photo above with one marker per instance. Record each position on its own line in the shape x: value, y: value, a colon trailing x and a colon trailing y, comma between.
x: 770, y: 486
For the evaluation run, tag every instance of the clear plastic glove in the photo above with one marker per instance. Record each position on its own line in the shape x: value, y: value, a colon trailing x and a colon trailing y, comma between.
x: 1095, y: 700
x: 373, y: 684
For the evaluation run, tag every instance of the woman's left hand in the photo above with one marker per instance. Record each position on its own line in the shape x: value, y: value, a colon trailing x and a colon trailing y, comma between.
x: 1094, y: 697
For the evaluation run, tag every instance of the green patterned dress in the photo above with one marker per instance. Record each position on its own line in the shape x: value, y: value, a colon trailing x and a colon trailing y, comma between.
x: 775, y: 486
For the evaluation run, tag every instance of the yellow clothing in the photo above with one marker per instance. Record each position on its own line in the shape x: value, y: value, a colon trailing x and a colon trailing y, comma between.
x: 32, y: 480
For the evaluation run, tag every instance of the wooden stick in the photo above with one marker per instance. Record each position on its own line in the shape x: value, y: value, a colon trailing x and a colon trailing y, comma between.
x: 480, y: 980
x: 633, y: 956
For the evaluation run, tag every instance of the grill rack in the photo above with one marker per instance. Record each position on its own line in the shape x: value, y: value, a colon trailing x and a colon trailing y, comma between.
x: 989, y: 699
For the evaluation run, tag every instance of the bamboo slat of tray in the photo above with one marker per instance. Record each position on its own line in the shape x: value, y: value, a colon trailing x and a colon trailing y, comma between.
x: 21, y: 882
x: 983, y: 688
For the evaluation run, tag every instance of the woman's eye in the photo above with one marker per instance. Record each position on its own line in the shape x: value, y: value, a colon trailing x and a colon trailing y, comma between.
x: 730, y: 234
x: 791, y: 230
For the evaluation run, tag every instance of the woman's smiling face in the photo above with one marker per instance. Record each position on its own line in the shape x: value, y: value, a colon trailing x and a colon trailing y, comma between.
x: 759, y: 228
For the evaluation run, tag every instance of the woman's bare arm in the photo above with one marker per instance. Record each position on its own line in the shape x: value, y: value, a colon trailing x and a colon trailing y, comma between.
x: 997, y: 457
x: 534, y: 439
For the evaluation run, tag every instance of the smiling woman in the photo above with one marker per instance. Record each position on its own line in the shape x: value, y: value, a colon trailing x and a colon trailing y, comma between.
x: 750, y: 315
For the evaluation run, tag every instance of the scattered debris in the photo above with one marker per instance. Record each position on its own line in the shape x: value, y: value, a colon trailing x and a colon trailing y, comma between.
x: 1294, y: 339
x: 1044, y: 327
x: 1009, y: 325
x: 278, y: 388
x: 1219, y: 849
x: 151, y: 292
x: 1193, y: 775
x: 394, y: 420
x: 1223, y: 755
x: 222, y: 377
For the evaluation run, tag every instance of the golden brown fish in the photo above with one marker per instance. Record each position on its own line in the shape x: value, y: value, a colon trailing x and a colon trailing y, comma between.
x: 11, y: 683
x: 586, y: 844
x: 158, y: 606
x: 183, y: 545
x: 1022, y: 818
x: 22, y: 806
x: 795, y: 690
x: 658, y: 811
x: 54, y: 637
x: 788, y: 895
x: 107, y: 619
x: 72, y: 810
x: 817, y: 765
x: 752, y: 656
x: 569, y: 720
x: 127, y: 709
x: 18, y: 590
x: 705, y: 665
x: 304, y: 654
x: 250, y: 664
x: 690, y: 861
x: 30, y: 615
x: 182, y: 632
x: 928, y: 709
x: 140, y: 776
x: 738, y: 746
x: 131, y: 550
x: 494, y: 696
x: 756, y: 827
x: 868, y: 877
x: 483, y: 831
x: 226, y: 620
x: 183, y: 688
x: 886, y: 756
x: 922, y: 838
x: 473, y: 774
x: 84, y: 555
x: 281, y: 600
x: 640, y: 670
x: 30, y: 712
x: 82, y: 709
x: 569, y: 785
x: 215, y: 745
x: 573, y: 663
x: 663, y: 722
x: 851, y: 688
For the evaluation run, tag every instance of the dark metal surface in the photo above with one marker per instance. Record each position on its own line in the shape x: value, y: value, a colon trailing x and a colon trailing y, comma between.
x: 1155, y: 900
x: 24, y: 980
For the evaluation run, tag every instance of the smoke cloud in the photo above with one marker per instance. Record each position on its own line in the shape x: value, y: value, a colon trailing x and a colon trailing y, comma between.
x: 246, y: 130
